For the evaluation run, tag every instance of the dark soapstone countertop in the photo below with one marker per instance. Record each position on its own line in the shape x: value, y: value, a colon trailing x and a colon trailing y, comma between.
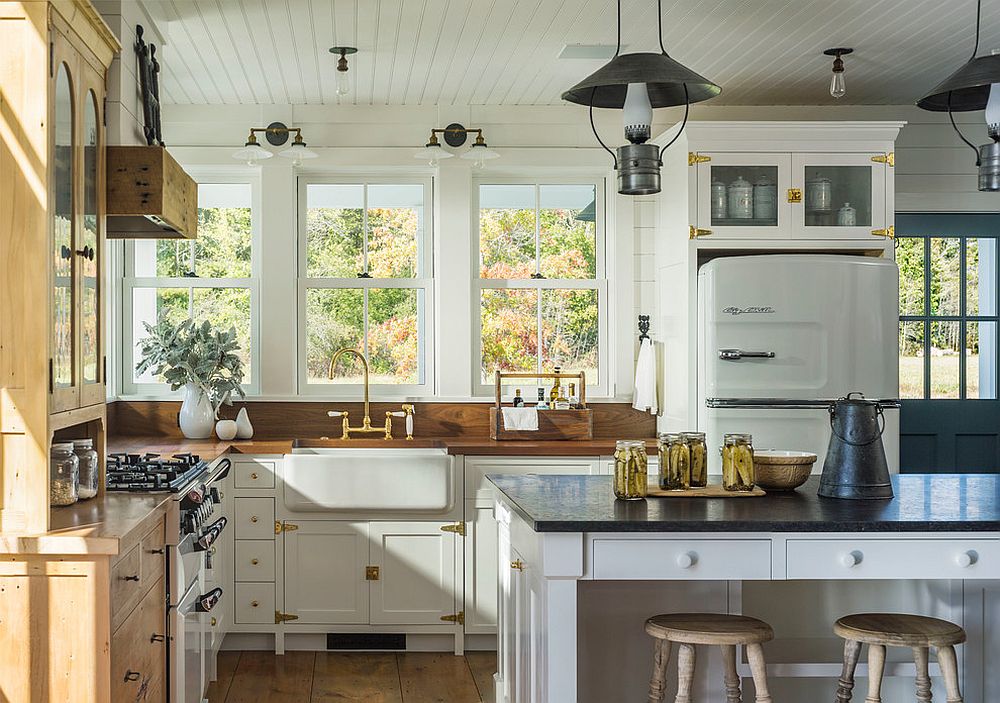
x: 922, y: 503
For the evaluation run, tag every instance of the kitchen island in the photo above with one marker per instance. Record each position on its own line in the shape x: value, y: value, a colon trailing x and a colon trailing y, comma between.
x: 581, y: 571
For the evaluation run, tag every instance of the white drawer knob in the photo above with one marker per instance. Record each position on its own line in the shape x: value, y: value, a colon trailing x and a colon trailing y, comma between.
x: 686, y: 560
x: 851, y: 559
x: 966, y: 559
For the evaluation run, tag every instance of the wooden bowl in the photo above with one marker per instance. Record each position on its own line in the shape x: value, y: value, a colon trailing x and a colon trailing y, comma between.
x: 778, y: 470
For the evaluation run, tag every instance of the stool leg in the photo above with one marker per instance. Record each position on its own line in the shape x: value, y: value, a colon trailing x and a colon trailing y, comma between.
x: 920, y: 657
x: 876, y: 666
x: 755, y: 655
x: 845, y: 687
x: 658, y: 682
x: 949, y: 670
x: 685, y: 673
x: 732, y: 678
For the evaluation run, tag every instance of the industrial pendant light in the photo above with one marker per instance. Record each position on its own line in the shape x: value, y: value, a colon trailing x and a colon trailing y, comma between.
x: 343, y: 82
x: 838, y: 86
x: 636, y: 84
x: 974, y: 86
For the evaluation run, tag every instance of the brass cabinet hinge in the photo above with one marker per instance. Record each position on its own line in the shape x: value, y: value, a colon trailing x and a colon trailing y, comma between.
x: 694, y: 232
x: 795, y: 195
x: 889, y: 232
x: 280, y: 617
x: 371, y: 573
x: 517, y: 564
x: 458, y: 528
x: 694, y: 158
x: 280, y: 527
x: 887, y: 159
x: 458, y: 617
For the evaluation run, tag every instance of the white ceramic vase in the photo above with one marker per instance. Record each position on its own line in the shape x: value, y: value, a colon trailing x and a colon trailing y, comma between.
x: 225, y: 429
x: 197, y: 418
x: 244, y: 430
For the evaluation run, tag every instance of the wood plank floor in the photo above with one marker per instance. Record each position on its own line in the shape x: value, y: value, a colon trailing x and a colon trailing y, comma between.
x: 335, y: 677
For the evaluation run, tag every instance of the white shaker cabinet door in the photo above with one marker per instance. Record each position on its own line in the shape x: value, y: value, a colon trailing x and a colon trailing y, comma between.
x: 416, y: 580
x: 481, y: 550
x: 325, y: 572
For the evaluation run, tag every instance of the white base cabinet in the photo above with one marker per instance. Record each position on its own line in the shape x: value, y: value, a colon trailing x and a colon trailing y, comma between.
x: 417, y: 577
x: 325, y: 563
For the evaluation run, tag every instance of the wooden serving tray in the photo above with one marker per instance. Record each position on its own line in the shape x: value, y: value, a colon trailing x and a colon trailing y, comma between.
x: 556, y: 425
x: 714, y: 490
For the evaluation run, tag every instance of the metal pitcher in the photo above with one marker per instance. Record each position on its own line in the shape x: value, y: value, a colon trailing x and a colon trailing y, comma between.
x: 855, y: 466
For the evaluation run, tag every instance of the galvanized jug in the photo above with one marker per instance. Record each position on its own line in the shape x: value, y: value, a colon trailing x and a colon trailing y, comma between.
x: 855, y: 466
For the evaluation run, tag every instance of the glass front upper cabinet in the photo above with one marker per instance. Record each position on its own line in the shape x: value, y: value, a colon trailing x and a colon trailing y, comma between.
x: 63, y: 371
x: 88, y: 259
x: 843, y: 196
x: 743, y: 196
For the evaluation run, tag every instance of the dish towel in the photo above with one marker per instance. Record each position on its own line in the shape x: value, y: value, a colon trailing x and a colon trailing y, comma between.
x: 644, y: 397
x: 524, y: 419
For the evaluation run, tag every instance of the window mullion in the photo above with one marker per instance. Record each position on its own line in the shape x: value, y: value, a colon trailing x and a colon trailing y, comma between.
x: 538, y: 322
x: 927, y: 312
x: 962, y: 309
x: 538, y: 235
x: 364, y: 229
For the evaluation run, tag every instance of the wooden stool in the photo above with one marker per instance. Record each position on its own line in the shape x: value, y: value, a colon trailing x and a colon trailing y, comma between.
x: 726, y: 631
x: 881, y: 630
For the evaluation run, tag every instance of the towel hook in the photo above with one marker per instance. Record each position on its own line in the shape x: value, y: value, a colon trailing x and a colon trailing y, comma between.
x: 643, y: 327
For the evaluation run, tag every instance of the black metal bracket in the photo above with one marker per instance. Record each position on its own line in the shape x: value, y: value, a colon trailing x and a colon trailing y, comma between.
x: 643, y: 327
x: 148, y: 69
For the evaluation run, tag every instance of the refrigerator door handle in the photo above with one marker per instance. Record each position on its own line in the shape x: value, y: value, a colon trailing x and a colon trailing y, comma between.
x: 737, y: 354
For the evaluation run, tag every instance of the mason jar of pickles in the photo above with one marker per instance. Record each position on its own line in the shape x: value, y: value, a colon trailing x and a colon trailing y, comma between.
x: 675, y: 463
x: 698, y: 455
x: 737, y: 463
x: 630, y: 469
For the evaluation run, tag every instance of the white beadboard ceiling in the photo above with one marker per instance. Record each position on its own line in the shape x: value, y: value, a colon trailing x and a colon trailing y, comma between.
x: 504, y: 52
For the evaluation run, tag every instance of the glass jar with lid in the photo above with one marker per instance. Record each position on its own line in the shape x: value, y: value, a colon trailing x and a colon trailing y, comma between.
x: 630, y: 469
x: 737, y: 463
x: 89, y: 467
x: 675, y: 463
x: 64, y: 474
x: 698, y: 455
x: 740, y: 199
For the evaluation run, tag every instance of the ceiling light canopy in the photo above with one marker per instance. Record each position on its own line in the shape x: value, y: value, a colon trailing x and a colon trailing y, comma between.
x: 637, y: 84
x: 276, y: 134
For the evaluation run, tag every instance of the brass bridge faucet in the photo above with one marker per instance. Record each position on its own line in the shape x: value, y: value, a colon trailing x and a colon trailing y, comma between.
x: 366, y: 422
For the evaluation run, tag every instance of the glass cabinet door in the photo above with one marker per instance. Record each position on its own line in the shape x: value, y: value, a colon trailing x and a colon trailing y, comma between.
x: 743, y: 196
x: 88, y: 258
x: 843, y: 196
x: 63, y: 372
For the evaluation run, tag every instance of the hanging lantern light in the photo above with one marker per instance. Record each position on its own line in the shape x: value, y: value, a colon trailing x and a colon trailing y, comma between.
x: 637, y: 84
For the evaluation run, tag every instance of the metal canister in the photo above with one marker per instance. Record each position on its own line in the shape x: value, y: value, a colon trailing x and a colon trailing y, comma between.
x: 698, y: 452
x: 675, y: 463
x: 737, y: 463
x: 740, y: 199
x: 630, y: 469
x: 847, y: 216
x: 719, y: 209
x: 819, y: 194
x: 765, y: 198
x: 989, y: 167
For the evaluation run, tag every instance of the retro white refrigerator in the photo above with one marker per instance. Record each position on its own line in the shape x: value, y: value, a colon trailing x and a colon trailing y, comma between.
x: 781, y: 334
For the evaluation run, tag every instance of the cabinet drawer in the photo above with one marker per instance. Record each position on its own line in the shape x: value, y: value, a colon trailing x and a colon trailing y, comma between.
x: 253, y: 474
x: 126, y: 585
x: 254, y: 518
x: 152, y: 557
x: 893, y: 558
x: 254, y: 560
x: 138, y: 661
x: 254, y: 604
x: 687, y: 560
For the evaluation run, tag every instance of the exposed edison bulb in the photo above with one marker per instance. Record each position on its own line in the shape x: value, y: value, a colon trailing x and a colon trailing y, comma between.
x: 993, y: 112
x: 343, y: 83
x: 637, y: 113
x: 838, y: 86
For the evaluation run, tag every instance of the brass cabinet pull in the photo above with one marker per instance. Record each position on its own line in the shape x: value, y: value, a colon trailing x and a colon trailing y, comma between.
x: 156, y: 551
x: 212, y: 551
x: 372, y: 573
x: 795, y: 195
x: 254, y: 604
x: 157, y: 638
x: 214, y: 622
x: 253, y: 518
x: 255, y: 561
x: 517, y: 564
x: 130, y: 578
x: 132, y: 675
x: 253, y: 476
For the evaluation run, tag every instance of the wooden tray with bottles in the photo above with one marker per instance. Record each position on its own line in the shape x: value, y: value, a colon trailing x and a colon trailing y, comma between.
x: 553, y: 425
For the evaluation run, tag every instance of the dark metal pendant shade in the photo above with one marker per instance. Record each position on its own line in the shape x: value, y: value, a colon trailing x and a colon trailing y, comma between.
x: 969, y: 87
x: 664, y: 78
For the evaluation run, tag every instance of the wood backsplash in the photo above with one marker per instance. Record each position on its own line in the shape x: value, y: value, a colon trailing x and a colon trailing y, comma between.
x: 286, y: 420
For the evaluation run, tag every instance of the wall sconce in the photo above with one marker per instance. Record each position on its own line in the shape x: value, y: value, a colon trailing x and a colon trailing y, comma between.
x: 455, y: 135
x: 276, y: 134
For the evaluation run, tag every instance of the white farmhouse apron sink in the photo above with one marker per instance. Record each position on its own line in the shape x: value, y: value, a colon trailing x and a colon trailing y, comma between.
x: 348, y: 479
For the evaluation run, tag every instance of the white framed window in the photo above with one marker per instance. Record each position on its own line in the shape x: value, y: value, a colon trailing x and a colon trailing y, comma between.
x: 365, y: 282
x: 540, y: 280
x: 214, y: 277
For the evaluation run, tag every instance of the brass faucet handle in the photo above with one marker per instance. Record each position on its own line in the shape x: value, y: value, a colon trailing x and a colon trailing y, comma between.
x: 345, y: 424
x: 409, y: 409
x: 337, y: 413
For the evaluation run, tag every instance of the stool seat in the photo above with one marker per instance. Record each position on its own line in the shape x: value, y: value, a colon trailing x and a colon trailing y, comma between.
x: 709, y: 628
x: 899, y: 630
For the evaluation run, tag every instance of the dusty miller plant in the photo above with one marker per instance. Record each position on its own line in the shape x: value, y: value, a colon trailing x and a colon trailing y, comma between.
x: 192, y: 353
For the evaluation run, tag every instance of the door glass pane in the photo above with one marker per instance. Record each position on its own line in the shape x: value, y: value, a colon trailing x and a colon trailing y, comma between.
x: 334, y: 231
x: 838, y: 196
x: 394, y: 335
x: 911, y: 359
x: 335, y: 318
x: 395, y: 223
x: 570, y: 331
x: 506, y: 231
x: 152, y: 306
x: 910, y: 259
x: 223, y: 246
x: 568, y: 231
x: 981, y: 360
x: 226, y: 308
x: 744, y: 196
x: 946, y: 347
x: 981, y: 276
x: 509, y: 330
x: 946, y: 266
x: 90, y: 313
x: 62, y: 225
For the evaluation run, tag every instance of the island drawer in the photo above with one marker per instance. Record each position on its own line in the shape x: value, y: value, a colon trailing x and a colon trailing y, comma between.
x: 253, y: 474
x: 686, y: 560
x: 254, y: 560
x: 254, y: 518
x: 893, y: 558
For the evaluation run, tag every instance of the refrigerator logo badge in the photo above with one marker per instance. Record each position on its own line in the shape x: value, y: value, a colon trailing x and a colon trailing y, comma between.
x: 753, y: 310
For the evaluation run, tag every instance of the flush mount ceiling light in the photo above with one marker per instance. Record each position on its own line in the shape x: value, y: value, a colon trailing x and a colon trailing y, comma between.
x: 455, y: 135
x: 974, y: 87
x: 276, y: 134
x: 343, y: 82
x: 838, y: 87
x: 636, y: 84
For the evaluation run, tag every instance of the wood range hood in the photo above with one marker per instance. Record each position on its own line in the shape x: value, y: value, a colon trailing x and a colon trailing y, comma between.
x: 149, y: 196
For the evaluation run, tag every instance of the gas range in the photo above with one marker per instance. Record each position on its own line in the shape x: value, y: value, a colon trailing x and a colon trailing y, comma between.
x: 150, y: 472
